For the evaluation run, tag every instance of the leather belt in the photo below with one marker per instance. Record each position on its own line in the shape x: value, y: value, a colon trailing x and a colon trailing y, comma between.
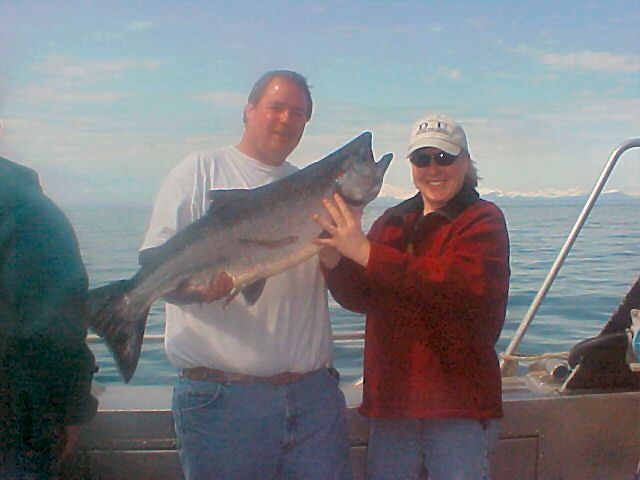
x: 205, y: 374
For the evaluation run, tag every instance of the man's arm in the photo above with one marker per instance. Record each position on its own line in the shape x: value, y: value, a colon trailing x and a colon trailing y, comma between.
x: 174, y: 208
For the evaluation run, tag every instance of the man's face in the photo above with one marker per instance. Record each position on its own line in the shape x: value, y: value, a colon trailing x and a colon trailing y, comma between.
x: 274, y: 125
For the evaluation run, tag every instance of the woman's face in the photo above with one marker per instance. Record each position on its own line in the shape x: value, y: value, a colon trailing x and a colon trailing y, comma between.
x: 439, y: 183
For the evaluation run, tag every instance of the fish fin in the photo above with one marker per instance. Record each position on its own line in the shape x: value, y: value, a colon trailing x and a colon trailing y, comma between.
x: 149, y: 255
x: 234, y: 293
x: 155, y: 255
x: 271, y: 244
x: 217, y: 198
x: 123, y: 332
x: 252, y: 292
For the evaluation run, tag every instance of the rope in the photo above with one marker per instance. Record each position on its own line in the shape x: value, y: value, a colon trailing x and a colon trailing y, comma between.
x: 527, y: 358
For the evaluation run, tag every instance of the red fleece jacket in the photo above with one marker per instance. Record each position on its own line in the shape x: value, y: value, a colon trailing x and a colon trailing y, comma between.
x: 435, y: 294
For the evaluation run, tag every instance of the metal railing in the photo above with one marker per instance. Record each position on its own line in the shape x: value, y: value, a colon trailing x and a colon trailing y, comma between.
x: 509, y: 365
x: 337, y: 336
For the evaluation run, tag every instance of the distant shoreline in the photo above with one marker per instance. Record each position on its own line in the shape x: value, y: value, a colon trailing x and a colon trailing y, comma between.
x: 607, y: 197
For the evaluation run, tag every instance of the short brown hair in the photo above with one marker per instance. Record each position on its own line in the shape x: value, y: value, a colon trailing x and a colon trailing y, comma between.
x: 258, y: 88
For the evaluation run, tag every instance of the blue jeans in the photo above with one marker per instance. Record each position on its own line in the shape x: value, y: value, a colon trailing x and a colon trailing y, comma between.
x: 449, y: 448
x: 263, y: 431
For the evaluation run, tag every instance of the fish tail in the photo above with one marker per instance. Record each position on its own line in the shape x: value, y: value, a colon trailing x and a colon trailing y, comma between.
x: 121, y: 327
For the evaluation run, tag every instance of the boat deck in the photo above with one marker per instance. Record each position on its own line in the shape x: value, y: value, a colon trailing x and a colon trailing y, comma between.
x: 544, y: 434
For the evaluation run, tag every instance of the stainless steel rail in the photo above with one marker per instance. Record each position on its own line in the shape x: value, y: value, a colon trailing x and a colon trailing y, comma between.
x: 510, y: 364
x: 337, y: 336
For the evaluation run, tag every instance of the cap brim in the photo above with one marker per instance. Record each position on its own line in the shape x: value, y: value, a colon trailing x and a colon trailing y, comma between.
x: 443, y: 145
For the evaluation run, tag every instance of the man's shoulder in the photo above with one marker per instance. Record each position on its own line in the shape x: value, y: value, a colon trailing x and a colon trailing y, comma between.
x: 200, y: 161
x: 207, y: 156
x: 16, y: 179
x: 288, y: 168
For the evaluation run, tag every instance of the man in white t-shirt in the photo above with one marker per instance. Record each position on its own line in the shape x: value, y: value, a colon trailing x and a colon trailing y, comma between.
x: 257, y: 396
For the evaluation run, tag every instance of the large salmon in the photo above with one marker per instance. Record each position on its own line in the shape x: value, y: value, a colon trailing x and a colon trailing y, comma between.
x: 245, y: 237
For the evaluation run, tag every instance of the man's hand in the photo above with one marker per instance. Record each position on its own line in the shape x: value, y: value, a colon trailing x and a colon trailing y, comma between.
x: 71, y: 440
x: 68, y: 444
x: 346, y: 232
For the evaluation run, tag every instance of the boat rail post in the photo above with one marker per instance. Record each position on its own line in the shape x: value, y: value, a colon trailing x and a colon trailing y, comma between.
x: 509, y: 364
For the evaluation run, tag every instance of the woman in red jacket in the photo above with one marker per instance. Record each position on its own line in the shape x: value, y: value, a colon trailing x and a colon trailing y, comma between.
x: 432, y: 278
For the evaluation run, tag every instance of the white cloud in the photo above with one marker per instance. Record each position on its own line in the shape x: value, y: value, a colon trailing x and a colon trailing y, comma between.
x: 614, y: 109
x: 315, y: 9
x: 91, y: 70
x: 152, y: 64
x: 139, y: 26
x: 450, y: 73
x: 589, y: 108
x: 69, y: 79
x: 53, y: 94
x: 544, y: 78
x: 546, y: 192
x: 393, y: 191
x: 444, y: 72
x: 585, y: 60
x: 196, y: 143
x: 68, y: 67
x: 225, y: 99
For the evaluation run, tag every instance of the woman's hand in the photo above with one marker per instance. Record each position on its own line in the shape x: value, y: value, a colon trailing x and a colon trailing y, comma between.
x: 346, y: 232
x: 330, y: 257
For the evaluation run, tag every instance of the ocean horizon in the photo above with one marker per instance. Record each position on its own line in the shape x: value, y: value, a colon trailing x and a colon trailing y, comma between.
x: 391, y: 193
x: 595, y: 277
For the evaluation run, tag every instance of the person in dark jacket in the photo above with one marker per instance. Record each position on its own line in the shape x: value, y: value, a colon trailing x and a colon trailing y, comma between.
x: 432, y: 277
x: 46, y: 368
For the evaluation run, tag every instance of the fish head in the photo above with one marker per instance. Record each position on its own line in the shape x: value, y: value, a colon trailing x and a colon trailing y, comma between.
x: 360, y: 178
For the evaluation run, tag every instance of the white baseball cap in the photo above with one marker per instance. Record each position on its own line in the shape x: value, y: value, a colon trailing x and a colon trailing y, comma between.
x: 438, y: 131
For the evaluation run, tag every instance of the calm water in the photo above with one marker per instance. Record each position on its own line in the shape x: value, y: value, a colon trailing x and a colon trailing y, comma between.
x: 598, y: 272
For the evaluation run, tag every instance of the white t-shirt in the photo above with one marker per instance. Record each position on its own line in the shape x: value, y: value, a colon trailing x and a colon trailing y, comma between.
x: 286, y: 330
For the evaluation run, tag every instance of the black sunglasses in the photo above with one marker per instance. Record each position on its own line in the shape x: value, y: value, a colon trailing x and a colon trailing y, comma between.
x: 422, y: 160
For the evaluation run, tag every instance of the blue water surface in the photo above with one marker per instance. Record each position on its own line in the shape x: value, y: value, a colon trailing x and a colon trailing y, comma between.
x: 598, y: 272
